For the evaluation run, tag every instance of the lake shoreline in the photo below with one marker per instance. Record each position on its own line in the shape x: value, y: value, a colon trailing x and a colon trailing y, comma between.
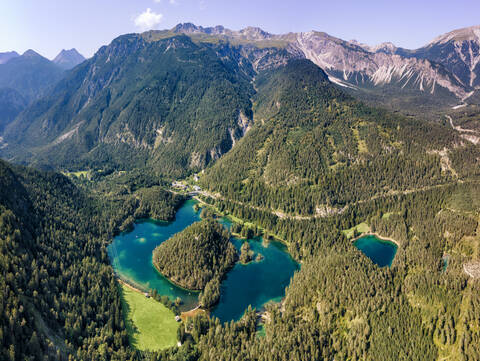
x: 139, y: 274
x: 233, y: 218
x: 173, y: 282
x: 133, y: 288
x: 381, y: 238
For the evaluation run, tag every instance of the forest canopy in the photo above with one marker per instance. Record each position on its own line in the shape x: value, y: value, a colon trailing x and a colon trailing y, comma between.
x: 196, y: 255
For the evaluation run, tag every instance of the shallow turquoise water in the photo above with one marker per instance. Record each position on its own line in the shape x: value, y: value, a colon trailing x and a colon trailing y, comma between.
x: 379, y: 251
x: 254, y: 284
x: 445, y: 260
x: 131, y: 254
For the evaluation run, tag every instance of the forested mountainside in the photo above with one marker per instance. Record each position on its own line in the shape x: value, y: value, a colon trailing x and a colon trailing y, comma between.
x: 398, y: 176
x: 11, y: 104
x: 197, y: 258
x: 313, y: 149
x: 59, y: 296
x: 23, y: 78
x: 171, y: 104
x: 413, y: 311
x: 279, y: 149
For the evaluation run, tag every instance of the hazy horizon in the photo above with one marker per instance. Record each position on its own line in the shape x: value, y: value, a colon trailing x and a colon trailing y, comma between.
x: 89, y: 25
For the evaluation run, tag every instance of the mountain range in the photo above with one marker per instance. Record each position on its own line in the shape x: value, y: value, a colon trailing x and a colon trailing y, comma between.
x: 445, y: 72
x: 144, y: 94
x: 27, y: 77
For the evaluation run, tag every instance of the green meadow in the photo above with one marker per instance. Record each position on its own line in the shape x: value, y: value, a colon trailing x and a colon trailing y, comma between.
x: 150, y: 325
x: 360, y: 228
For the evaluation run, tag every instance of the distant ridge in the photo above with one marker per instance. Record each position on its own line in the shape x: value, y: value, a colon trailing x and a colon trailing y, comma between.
x: 4, y: 57
x: 30, y: 74
x: 442, y: 74
x: 68, y: 59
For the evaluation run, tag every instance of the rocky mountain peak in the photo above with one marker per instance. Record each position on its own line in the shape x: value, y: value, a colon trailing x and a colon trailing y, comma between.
x: 31, y: 54
x: 459, y: 52
x: 68, y: 59
x: 388, y: 48
x: 187, y: 28
x: 5, y: 57
x: 254, y: 33
x: 249, y: 33
x: 471, y: 33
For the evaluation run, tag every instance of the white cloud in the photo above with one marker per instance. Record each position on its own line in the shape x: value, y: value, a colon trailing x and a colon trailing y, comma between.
x: 148, y: 20
x: 171, y: 2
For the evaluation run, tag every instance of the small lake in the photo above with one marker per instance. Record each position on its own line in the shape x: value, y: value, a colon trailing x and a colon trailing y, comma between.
x: 257, y: 282
x: 254, y: 284
x: 380, y: 251
x: 131, y: 254
x: 445, y: 260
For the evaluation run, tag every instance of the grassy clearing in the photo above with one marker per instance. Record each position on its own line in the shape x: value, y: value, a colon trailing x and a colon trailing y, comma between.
x: 362, y: 145
x: 150, y: 325
x: 360, y: 228
x: 80, y: 174
x: 388, y: 214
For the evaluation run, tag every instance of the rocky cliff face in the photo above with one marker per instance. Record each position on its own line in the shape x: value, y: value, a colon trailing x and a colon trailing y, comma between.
x: 353, y: 65
x: 459, y: 52
x: 448, y: 67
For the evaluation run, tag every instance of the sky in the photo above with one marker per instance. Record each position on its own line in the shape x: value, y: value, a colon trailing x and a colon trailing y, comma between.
x: 48, y: 26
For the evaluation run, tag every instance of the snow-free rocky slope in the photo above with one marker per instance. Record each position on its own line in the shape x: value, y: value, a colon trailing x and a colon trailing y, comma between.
x: 444, y: 73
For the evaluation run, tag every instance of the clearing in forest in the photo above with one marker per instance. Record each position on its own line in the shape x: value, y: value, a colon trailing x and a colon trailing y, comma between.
x: 150, y: 325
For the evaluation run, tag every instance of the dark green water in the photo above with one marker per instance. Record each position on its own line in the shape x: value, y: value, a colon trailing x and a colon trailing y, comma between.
x: 254, y: 284
x: 381, y: 252
x: 257, y: 282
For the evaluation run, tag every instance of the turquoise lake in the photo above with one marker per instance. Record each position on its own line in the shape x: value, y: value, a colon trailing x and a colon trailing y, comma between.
x: 254, y: 284
x: 380, y: 251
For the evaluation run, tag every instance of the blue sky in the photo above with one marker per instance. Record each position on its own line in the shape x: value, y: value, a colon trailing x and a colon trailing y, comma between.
x: 48, y: 26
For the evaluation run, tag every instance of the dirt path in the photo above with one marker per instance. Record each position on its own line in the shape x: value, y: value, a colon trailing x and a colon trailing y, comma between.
x: 282, y: 215
x: 468, y: 134
x: 458, y: 128
x: 122, y: 282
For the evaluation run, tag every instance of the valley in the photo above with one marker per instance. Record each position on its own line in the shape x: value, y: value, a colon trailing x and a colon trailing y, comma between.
x: 200, y: 193
x: 254, y: 284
